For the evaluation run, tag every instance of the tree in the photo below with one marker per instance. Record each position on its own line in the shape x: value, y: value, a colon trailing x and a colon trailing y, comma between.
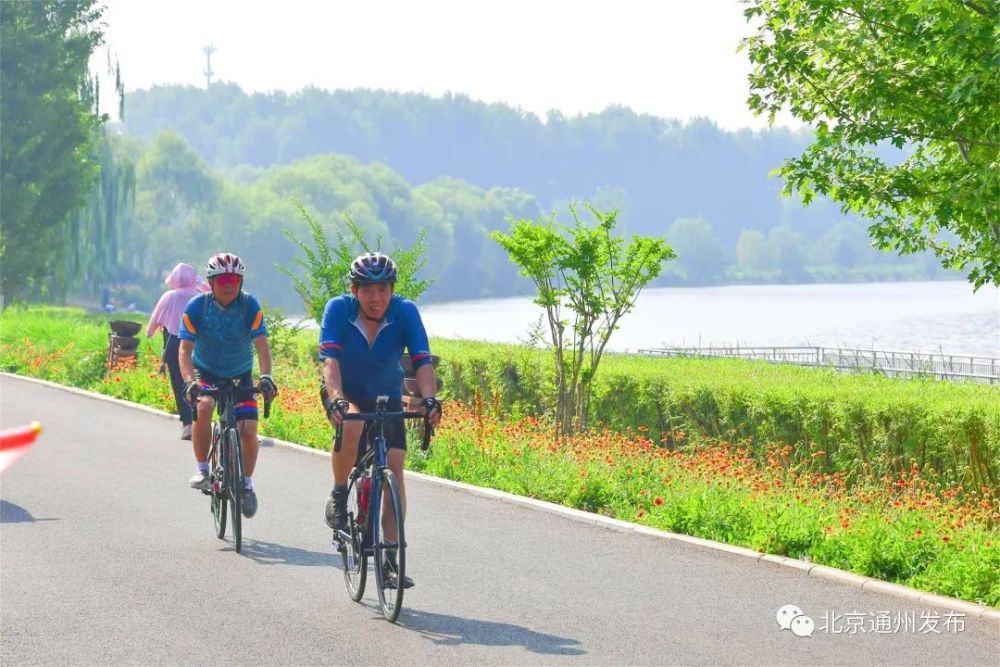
x: 845, y: 245
x: 49, y: 123
x: 176, y: 193
x: 920, y: 76
x: 700, y: 254
x: 98, y: 231
x: 326, y: 267
x: 466, y: 261
x: 789, y: 249
x: 593, y: 275
x: 754, y: 254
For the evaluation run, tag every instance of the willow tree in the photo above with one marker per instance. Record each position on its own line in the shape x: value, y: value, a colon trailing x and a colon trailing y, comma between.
x: 51, y: 122
x: 923, y: 76
x: 97, y: 229
x: 587, y: 279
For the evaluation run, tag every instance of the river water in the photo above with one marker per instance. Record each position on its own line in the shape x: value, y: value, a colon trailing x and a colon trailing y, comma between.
x: 942, y: 317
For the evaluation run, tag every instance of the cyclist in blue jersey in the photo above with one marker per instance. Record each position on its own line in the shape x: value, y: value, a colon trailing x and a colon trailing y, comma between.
x: 219, y: 332
x: 362, y: 338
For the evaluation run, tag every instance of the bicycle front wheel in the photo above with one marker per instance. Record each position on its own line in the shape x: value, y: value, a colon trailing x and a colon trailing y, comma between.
x: 234, y: 484
x: 215, y: 477
x: 352, y: 550
x: 390, y: 551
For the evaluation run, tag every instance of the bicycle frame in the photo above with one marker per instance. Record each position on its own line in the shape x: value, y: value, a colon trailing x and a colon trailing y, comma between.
x: 225, y: 395
x: 370, y: 466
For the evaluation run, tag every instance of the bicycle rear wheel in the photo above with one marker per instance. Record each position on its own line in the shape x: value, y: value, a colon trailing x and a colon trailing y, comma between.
x: 215, y: 477
x: 234, y: 484
x: 352, y: 552
x: 389, y: 579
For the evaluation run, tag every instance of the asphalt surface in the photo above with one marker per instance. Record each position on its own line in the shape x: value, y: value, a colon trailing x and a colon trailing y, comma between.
x: 107, y: 558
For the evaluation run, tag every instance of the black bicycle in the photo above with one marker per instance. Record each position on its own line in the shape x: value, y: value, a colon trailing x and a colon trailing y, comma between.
x: 375, y: 512
x: 225, y: 457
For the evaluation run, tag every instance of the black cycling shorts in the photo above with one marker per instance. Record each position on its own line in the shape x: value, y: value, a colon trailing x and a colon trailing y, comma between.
x: 246, y: 409
x: 395, y: 433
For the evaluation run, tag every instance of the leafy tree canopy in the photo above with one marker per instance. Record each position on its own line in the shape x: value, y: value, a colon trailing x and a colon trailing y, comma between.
x: 923, y: 76
x: 48, y: 134
x: 326, y: 267
x: 592, y: 275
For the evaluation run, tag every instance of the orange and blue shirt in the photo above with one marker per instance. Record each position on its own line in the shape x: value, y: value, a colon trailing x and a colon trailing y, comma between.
x: 223, y: 337
x: 369, y: 371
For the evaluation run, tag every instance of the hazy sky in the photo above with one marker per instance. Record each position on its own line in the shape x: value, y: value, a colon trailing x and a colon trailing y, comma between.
x: 670, y: 58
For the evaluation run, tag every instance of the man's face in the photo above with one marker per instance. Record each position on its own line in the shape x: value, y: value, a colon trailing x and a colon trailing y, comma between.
x: 374, y: 299
x: 225, y: 287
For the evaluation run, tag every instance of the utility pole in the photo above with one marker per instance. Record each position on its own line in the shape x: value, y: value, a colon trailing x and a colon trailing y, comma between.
x: 209, y: 50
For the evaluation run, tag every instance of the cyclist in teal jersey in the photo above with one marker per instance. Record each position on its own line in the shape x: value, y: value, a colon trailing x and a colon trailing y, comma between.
x: 362, y: 337
x: 219, y: 332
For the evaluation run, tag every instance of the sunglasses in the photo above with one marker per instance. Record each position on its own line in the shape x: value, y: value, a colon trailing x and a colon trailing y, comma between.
x: 227, y: 280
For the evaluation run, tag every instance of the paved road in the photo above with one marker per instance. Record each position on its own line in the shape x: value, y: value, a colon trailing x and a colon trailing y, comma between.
x: 107, y: 558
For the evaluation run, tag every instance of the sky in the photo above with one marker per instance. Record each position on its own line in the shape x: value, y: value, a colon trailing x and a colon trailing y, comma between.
x: 669, y: 58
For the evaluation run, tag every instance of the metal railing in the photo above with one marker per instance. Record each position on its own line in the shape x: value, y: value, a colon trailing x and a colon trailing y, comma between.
x: 893, y: 364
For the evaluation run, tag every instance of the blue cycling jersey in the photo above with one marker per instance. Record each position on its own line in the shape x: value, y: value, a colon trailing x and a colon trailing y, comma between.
x: 368, y: 371
x: 223, y: 337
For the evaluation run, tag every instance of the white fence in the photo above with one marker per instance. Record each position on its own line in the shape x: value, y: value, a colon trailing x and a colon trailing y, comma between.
x: 893, y: 364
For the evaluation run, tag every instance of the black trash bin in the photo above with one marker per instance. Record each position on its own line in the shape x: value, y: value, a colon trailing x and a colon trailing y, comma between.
x: 123, y: 342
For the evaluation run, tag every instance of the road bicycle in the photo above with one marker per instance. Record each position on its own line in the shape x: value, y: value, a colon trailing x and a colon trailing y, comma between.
x: 225, y: 457
x: 375, y: 526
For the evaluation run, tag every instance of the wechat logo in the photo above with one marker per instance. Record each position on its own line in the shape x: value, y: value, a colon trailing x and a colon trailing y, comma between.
x: 792, y: 618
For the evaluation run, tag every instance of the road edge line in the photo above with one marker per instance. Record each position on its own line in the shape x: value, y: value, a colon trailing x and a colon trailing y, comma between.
x: 93, y: 394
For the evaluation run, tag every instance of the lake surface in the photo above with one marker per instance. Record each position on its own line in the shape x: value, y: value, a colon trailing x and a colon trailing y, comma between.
x: 912, y: 317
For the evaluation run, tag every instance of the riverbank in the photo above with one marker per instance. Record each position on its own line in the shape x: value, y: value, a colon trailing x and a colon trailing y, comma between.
x: 938, y: 317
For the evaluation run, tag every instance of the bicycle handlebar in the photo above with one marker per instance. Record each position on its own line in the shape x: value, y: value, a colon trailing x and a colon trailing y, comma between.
x: 215, y: 392
x: 382, y: 416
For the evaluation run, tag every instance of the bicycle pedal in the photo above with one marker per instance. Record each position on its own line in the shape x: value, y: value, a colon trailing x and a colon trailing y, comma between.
x: 393, y: 582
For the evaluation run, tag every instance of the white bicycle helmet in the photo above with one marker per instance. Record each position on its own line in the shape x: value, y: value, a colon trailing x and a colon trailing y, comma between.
x: 225, y: 262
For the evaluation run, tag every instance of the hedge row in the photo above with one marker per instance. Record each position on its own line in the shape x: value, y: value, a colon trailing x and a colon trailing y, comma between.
x: 862, y: 425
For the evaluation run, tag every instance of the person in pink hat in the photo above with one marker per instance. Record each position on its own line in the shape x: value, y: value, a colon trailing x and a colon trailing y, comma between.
x: 185, y: 284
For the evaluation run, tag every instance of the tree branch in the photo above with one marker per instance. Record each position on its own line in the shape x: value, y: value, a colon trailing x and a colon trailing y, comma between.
x: 977, y: 8
x: 964, y: 152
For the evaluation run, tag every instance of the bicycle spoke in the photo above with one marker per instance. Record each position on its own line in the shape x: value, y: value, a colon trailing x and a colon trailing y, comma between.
x: 215, y: 479
x: 390, y: 552
x: 352, y: 553
x: 235, y: 486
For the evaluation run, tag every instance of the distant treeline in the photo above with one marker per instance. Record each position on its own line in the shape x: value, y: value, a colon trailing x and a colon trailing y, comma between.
x: 220, y: 166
